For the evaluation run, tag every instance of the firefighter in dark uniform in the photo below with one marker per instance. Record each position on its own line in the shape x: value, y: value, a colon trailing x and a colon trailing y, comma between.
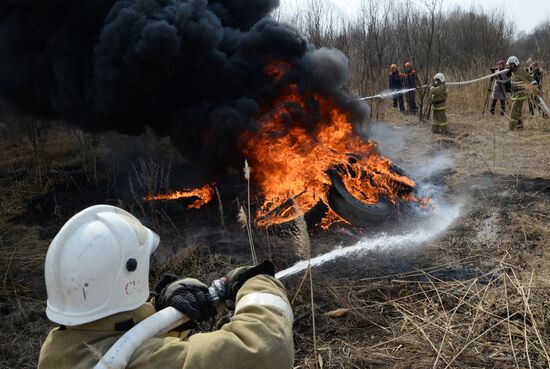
x: 533, y: 102
x: 410, y: 81
x: 396, y: 84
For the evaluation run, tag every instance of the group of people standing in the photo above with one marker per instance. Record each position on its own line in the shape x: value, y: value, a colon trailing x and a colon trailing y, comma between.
x: 524, y: 84
x: 514, y: 82
x: 400, y: 81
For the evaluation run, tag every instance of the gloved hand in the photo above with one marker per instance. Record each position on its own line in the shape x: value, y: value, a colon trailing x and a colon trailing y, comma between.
x: 188, y: 295
x: 235, y: 279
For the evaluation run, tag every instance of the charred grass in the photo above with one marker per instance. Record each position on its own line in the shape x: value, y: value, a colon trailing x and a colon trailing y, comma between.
x: 477, y: 297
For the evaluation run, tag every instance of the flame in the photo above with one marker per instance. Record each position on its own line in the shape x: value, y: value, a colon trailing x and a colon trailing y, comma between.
x: 203, y: 194
x: 290, y: 161
x: 277, y: 69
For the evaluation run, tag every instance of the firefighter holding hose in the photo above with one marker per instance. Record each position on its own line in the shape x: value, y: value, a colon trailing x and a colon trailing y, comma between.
x: 522, y: 83
x: 97, y: 280
x: 438, y: 91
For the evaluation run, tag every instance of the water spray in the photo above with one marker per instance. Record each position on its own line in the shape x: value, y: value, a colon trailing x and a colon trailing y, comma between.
x: 390, y: 93
x: 381, y: 243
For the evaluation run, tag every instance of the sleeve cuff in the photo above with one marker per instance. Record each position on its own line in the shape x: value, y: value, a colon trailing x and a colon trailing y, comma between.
x: 266, y: 299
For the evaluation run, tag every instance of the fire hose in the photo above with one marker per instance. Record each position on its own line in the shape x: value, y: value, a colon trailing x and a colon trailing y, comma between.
x: 163, y: 321
x: 389, y: 94
x: 543, y: 103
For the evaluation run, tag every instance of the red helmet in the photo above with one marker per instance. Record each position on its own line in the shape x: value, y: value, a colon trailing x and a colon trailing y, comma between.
x: 501, y: 62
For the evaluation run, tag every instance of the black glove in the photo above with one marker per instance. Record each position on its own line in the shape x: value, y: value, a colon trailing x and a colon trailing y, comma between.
x: 164, y: 281
x: 188, y: 295
x: 237, y: 277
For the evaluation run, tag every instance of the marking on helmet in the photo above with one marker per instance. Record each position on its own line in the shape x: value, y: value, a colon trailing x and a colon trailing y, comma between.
x: 130, y: 287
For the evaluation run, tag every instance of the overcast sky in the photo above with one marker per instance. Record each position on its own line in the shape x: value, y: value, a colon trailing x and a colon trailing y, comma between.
x: 526, y: 13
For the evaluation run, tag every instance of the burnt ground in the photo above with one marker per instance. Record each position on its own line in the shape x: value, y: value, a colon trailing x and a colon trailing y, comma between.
x: 474, y: 296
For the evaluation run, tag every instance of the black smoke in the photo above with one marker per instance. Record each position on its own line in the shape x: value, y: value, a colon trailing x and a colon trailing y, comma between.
x: 193, y: 70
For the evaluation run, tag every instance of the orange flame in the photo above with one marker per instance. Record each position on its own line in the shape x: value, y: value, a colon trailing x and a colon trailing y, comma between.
x: 203, y: 194
x: 291, y: 162
x: 277, y: 69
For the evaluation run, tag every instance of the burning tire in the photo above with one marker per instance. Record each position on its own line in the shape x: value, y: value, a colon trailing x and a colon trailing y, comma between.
x: 353, y: 210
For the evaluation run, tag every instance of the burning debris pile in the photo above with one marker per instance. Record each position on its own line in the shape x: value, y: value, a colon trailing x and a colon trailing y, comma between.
x: 291, y: 162
x: 221, y: 78
x: 202, y: 195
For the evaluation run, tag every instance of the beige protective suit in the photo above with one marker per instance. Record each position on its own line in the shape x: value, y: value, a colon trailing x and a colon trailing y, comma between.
x: 258, y: 336
x: 519, y: 95
x: 439, y: 107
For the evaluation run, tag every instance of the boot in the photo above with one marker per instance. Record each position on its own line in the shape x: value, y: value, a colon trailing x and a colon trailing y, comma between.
x: 435, y: 128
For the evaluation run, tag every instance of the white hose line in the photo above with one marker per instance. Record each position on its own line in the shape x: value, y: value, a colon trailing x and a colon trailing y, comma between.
x: 543, y: 103
x: 388, y: 94
x: 477, y: 79
x: 121, y: 352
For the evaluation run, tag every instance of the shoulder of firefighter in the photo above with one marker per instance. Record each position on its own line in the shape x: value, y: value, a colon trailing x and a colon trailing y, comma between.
x: 439, y: 93
x: 258, y: 336
x: 521, y: 77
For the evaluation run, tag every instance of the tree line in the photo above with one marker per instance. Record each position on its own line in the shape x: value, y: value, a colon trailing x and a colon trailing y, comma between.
x: 461, y: 42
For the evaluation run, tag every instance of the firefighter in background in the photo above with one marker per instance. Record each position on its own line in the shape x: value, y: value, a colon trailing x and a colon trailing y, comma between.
x: 498, y: 91
x: 536, y: 72
x: 396, y: 84
x: 410, y: 81
x: 438, y: 92
x: 97, y: 281
x: 522, y: 82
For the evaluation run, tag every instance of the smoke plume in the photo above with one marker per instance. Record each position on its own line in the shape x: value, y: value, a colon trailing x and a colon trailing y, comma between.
x: 193, y: 70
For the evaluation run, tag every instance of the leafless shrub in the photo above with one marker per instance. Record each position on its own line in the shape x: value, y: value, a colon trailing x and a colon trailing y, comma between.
x: 148, y: 178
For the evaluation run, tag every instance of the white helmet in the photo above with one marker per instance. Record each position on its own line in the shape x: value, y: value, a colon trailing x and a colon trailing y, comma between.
x: 98, y: 265
x: 440, y: 77
x: 513, y: 59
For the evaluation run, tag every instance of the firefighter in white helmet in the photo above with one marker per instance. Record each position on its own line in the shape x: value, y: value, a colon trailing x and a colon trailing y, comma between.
x: 97, y: 280
x: 438, y: 93
x: 522, y: 82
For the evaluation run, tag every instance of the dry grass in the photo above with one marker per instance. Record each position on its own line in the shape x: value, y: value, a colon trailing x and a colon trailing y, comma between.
x: 417, y: 320
x: 495, y: 320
